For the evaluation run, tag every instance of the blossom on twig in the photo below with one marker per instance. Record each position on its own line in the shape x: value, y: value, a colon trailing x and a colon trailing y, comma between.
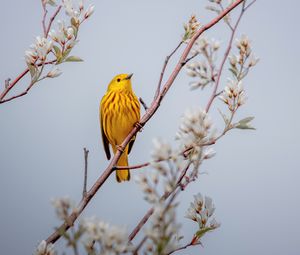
x: 45, y: 249
x: 112, y: 240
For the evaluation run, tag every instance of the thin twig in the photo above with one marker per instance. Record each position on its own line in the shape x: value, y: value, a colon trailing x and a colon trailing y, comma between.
x: 44, y: 18
x: 139, y: 246
x: 143, y: 103
x: 86, y: 154
x: 213, y: 95
x: 12, y: 84
x: 146, y: 117
x: 164, y: 69
x: 246, y: 7
x: 184, y: 247
x: 52, y: 19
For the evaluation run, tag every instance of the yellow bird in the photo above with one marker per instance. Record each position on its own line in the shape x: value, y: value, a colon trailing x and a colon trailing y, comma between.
x: 119, y: 112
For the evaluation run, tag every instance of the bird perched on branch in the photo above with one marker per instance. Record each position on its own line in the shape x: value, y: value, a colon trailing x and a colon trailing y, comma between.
x: 119, y: 112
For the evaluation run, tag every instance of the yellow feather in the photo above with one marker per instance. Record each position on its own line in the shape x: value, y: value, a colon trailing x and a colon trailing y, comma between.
x: 119, y: 112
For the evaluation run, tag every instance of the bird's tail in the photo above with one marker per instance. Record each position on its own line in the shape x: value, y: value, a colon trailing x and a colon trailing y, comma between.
x: 123, y: 175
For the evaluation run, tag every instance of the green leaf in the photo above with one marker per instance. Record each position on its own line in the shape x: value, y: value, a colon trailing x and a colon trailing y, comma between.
x: 57, y: 51
x: 66, y: 54
x: 245, y: 123
x: 200, y: 233
x: 73, y: 59
x: 246, y: 120
x: 244, y: 126
x: 32, y: 70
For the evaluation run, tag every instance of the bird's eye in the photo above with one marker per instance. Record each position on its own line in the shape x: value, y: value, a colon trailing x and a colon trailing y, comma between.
x: 118, y: 80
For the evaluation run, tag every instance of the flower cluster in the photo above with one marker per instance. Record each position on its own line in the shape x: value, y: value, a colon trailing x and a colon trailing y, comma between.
x: 77, y: 14
x: 167, y: 164
x: 38, y: 51
x: 190, y: 28
x: 163, y: 230
x: 59, y: 41
x: 241, y: 63
x: 112, y: 240
x: 63, y: 207
x: 45, y: 249
x: 201, y: 211
x: 194, y: 132
x: 233, y: 95
x: 203, y: 71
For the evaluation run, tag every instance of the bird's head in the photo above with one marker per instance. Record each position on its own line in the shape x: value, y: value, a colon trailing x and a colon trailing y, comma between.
x: 121, y: 82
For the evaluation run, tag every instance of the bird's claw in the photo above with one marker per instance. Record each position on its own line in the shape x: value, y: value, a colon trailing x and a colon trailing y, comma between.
x: 139, y: 125
x: 119, y: 148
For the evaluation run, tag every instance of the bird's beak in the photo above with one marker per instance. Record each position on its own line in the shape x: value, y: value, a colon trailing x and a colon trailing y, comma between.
x: 129, y: 76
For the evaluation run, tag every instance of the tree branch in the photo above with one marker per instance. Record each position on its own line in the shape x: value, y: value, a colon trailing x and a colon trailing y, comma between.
x: 146, y: 117
x: 9, y: 86
x: 184, y: 247
x: 164, y: 69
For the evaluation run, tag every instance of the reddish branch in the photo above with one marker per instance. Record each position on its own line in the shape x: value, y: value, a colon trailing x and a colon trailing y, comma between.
x: 22, y: 75
x: 13, y: 83
x: 150, y: 112
x: 184, y: 247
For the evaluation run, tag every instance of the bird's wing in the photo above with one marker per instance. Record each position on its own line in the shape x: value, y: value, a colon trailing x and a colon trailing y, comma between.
x: 105, y: 141
x: 131, y: 144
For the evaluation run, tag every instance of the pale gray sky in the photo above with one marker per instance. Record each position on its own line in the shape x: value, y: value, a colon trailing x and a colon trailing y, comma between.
x: 254, y: 178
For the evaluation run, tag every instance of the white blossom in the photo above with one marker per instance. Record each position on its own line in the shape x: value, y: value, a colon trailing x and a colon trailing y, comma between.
x: 163, y: 229
x: 201, y: 211
x: 54, y: 73
x: 89, y: 11
x: 161, y: 150
x: 233, y: 95
x: 190, y: 28
x: 209, y: 153
x: 112, y: 239
x: 243, y: 45
x: 62, y: 207
x: 59, y: 35
x: 253, y: 60
x: 39, y: 50
x: 44, y: 249
x: 30, y: 56
x: 43, y: 46
x: 70, y: 9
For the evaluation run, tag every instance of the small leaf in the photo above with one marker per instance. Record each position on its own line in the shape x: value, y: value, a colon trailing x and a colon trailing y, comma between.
x: 66, y: 54
x: 246, y: 120
x: 226, y: 120
x: 73, y: 59
x: 57, y: 51
x: 233, y: 70
x: 245, y: 123
x: 32, y: 70
x: 200, y: 233
x: 244, y: 126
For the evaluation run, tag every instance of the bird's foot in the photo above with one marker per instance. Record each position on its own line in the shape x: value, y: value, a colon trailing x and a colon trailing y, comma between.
x: 139, y: 126
x: 120, y: 148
